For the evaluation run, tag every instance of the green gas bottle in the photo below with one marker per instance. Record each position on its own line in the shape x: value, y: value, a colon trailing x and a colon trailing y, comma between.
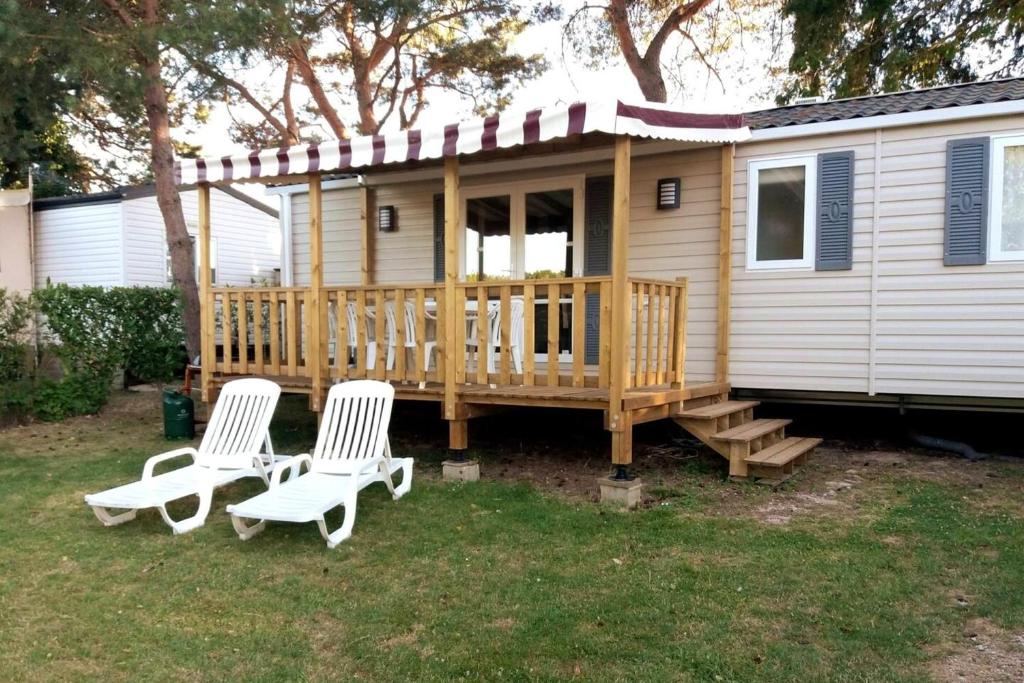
x: 179, y: 415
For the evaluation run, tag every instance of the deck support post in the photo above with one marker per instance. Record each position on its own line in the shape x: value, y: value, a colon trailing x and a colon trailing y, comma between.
x: 315, y: 348
x: 208, y: 343
x: 620, y: 422
x: 724, y: 266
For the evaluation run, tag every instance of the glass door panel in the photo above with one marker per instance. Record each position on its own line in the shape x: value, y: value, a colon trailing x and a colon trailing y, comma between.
x: 489, y: 238
x: 547, y: 251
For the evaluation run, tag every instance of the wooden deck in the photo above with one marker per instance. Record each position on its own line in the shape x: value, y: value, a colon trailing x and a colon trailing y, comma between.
x: 587, y: 398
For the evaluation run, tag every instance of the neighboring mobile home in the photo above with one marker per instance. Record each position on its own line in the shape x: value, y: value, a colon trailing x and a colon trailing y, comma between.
x: 16, y: 238
x: 117, y: 238
x: 857, y: 250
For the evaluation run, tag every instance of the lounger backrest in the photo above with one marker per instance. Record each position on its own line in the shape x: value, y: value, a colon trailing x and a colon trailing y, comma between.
x: 354, y: 426
x: 238, y: 427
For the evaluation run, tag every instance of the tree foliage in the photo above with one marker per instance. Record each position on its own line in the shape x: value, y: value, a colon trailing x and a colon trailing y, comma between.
x: 361, y: 65
x: 846, y: 48
x: 660, y: 39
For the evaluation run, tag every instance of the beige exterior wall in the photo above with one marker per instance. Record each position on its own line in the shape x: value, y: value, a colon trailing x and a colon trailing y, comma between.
x: 899, y: 322
x: 15, y: 236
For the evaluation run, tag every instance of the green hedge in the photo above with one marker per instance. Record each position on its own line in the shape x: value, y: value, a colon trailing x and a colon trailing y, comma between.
x: 93, y: 332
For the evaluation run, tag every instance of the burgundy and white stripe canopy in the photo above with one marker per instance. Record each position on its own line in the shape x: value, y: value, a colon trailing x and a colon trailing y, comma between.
x: 468, y: 137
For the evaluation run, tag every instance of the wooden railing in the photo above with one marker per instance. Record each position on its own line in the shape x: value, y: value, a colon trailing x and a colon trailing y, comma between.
x: 553, y: 332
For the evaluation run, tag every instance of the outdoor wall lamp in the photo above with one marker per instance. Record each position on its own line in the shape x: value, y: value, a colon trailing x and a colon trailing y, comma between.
x: 387, y: 219
x: 668, y: 193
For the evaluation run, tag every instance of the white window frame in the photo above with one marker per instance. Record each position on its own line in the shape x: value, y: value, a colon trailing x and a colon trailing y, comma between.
x: 754, y: 168
x: 995, y: 213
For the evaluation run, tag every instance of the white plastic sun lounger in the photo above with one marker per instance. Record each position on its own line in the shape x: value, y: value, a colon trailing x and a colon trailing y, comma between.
x: 352, y: 452
x: 230, y: 450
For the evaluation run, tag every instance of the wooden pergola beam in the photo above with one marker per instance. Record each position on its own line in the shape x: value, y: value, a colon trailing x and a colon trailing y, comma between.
x: 457, y: 425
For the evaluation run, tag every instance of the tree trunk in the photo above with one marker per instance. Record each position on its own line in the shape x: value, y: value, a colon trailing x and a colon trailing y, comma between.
x: 178, y: 244
x: 648, y: 77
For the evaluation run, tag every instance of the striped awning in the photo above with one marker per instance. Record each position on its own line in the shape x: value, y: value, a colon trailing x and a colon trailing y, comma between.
x: 645, y: 120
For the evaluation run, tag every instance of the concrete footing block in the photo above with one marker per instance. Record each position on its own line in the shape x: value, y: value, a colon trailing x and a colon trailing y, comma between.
x: 460, y: 470
x: 623, y: 493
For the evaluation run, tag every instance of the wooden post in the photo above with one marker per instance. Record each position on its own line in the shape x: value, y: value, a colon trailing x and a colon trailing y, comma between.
x: 316, y: 283
x: 724, y: 266
x: 208, y: 340
x: 366, y: 208
x: 618, y: 423
x: 458, y: 426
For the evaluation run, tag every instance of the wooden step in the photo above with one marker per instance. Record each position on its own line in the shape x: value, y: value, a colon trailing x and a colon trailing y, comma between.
x: 751, y: 430
x: 784, y: 452
x: 716, y: 410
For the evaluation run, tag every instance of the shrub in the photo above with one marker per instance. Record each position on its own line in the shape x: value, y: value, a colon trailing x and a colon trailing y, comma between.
x: 151, y: 328
x: 93, y: 331
x: 15, y: 315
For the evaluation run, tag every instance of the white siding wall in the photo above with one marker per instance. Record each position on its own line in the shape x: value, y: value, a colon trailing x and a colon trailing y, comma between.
x: 79, y: 245
x: 248, y: 239
x: 938, y: 330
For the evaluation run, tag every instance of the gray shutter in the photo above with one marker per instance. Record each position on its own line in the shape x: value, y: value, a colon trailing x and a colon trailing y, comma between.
x: 438, y: 238
x: 597, y: 254
x: 966, y: 202
x: 834, y: 243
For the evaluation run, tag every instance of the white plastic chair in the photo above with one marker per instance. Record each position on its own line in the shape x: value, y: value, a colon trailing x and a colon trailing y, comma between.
x: 230, y: 450
x: 352, y: 452
x: 353, y: 337
x: 410, y: 334
x: 515, y: 338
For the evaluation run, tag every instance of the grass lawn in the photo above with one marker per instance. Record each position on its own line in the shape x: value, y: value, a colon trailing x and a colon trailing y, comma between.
x: 892, y: 579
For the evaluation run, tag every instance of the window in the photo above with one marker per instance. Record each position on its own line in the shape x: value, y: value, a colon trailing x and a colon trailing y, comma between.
x: 1006, y: 222
x: 780, y: 217
x: 195, y: 258
x: 489, y: 238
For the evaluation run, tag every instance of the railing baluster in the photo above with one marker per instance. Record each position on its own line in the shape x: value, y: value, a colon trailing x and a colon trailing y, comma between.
x: 505, y: 324
x: 380, y: 333
x: 305, y: 348
x: 604, y: 357
x: 421, y: 335
x: 529, y: 334
x: 461, y: 330
x: 361, y: 340
x: 243, y: 333
x: 670, y: 360
x: 439, y: 336
x: 275, y: 334
x: 257, y: 331
x: 649, y: 339
x: 579, y: 334
x: 291, y: 333
x: 483, y: 334
x: 679, y: 336
x: 638, y: 378
x: 553, y: 326
x: 341, y: 349
x: 400, y: 332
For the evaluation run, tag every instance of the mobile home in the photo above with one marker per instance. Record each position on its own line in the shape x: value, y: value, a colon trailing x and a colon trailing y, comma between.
x: 649, y: 263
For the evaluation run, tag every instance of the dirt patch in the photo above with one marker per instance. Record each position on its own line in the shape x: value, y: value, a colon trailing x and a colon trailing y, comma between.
x: 984, y: 652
